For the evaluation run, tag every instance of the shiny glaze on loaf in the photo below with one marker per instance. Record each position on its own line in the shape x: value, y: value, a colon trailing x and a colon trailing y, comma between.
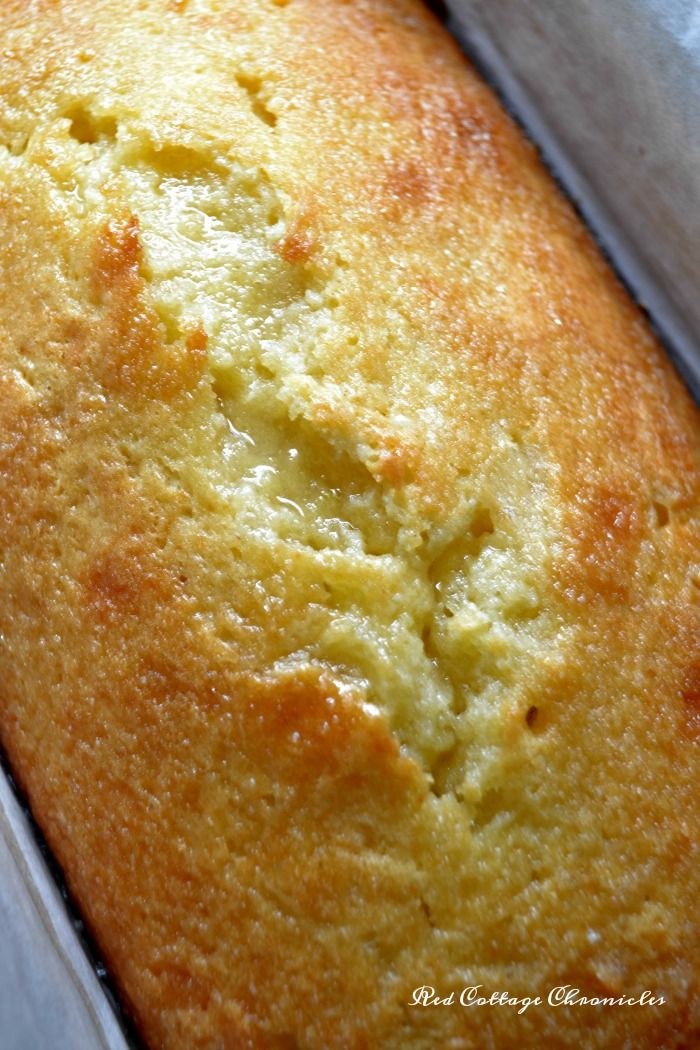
x: 350, y: 563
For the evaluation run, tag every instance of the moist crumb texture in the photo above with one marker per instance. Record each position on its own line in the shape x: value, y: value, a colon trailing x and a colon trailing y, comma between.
x: 349, y: 546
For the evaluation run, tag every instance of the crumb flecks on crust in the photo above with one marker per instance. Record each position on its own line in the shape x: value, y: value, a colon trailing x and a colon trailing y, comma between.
x: 330, y: 452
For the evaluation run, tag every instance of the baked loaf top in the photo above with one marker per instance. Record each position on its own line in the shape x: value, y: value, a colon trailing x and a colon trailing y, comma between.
x: 350, y: 560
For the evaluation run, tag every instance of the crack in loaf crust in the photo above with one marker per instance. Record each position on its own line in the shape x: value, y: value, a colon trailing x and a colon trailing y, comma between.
x: 349, y: 566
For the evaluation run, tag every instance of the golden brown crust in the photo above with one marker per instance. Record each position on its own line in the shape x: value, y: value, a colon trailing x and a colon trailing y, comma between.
x: 350, y: 570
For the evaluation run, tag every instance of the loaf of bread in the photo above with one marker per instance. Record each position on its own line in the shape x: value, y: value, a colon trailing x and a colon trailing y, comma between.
x: 350, y: 544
